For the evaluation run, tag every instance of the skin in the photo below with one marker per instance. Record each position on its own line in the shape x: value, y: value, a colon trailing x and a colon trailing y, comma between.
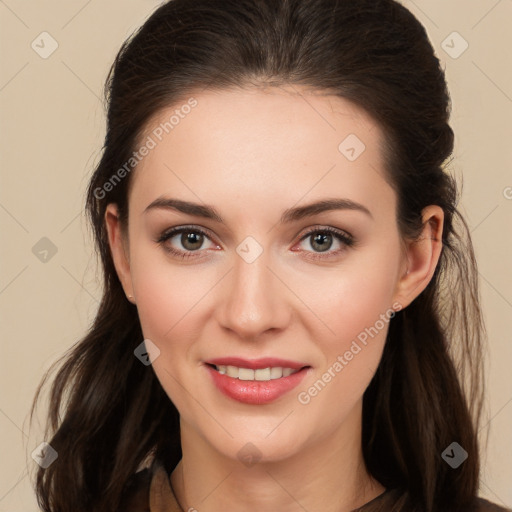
x: 251, y: 154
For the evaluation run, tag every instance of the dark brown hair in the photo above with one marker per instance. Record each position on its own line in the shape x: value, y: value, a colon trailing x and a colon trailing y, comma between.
x: 109, y: 412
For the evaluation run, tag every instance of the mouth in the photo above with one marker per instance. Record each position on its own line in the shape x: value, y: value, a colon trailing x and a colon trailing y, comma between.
x: 256, y: 382
x: 250, y: 374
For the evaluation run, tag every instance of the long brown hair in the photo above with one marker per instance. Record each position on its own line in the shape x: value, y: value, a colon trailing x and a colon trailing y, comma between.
x: 109, y: 413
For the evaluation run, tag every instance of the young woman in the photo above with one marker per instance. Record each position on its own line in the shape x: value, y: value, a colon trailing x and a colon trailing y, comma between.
x: 290, y: 293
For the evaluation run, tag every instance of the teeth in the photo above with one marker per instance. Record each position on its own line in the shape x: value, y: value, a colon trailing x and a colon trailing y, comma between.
x: 232, y: 371
x: 276, y: 373
x: 245, y: 374
x: 260, y: 374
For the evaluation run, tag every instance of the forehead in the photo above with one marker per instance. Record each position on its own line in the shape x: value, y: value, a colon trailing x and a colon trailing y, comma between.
x: 252, y: 143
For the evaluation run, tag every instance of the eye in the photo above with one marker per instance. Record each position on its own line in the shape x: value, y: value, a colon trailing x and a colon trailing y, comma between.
x: 323, y: 240
x: 190, y: 238
x: 192, y: 241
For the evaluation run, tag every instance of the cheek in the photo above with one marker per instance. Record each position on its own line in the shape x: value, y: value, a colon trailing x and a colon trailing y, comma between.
x: 350, y: 357
x: 360, y: 304
x: 168, y: 304
x: 350, y: 298
x: 355, y: 304
x: 168, y: 297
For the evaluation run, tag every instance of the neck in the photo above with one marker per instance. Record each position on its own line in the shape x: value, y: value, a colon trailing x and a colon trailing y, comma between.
x: 327, y: 474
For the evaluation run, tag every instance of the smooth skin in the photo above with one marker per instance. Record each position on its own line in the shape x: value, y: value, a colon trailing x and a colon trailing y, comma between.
x: 252, y: 154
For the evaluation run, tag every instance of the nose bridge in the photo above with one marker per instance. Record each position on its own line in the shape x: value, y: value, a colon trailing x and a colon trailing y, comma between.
x: 255, y: 299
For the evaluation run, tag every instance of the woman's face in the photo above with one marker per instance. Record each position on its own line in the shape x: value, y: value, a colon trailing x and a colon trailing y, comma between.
x: 254, y: 275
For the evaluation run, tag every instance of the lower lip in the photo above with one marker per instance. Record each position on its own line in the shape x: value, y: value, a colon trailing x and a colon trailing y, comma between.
x: 256, y: 392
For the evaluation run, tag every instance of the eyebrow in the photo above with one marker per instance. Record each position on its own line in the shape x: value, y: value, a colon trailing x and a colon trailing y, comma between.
x: 289, y: 215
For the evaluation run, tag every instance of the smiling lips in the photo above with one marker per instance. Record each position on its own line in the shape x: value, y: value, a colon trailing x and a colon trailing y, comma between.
x: 270, y: 373
x: 258, y: 381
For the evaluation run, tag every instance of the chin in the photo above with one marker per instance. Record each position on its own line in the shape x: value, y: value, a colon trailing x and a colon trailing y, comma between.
x: 251, y: 447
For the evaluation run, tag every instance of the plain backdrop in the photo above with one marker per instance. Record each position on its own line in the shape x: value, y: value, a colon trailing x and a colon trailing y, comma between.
x: 52, y: 129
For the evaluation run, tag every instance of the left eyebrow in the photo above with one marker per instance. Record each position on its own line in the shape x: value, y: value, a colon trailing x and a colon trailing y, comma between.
x: 298, y: 213
x: 289, y: 215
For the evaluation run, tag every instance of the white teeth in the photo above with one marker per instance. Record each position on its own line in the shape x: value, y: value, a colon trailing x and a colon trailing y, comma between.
x: 261, y: 374
x: 232, y: 371
x: 276, y: 373
x: 245, y: 374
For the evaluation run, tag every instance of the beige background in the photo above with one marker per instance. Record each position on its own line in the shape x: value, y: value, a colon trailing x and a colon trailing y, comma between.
x: 52, y: 126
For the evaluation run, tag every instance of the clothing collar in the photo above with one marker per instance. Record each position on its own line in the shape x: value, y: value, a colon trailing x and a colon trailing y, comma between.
x: 162, y: 498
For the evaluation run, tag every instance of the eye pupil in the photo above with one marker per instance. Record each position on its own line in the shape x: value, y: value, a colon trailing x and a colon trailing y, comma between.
x: 191, y: 238
x: 320, y: 238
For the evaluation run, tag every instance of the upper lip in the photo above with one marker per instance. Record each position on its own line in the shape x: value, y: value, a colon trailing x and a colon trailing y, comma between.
x: 256, y: 364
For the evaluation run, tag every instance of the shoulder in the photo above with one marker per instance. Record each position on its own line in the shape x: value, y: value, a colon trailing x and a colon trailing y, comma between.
x: 136, y: 496
x: 392, y: 499
x: 482, y: 505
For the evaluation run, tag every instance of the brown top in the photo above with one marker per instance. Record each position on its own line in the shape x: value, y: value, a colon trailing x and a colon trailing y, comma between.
x: 155, y: 494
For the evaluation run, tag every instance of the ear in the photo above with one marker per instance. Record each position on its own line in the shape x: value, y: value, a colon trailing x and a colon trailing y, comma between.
x: 421, y: 257
x: 119, y: 249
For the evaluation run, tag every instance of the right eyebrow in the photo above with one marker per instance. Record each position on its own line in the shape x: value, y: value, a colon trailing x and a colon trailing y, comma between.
x: 208, y: 212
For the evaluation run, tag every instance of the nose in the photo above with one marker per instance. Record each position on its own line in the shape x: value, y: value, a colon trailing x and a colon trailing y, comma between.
x: 255, y: 301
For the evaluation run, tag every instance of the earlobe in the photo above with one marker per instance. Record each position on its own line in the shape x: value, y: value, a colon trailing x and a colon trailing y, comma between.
x: 422, y: 257
x: 118, y: 249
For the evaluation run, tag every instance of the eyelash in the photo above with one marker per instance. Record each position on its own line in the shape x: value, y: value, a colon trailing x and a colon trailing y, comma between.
x: 346, y: 239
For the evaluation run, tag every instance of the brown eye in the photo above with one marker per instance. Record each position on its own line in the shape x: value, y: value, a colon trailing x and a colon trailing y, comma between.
x: 184, y: 241
x: 321, y: 240
x: 191, y: 240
